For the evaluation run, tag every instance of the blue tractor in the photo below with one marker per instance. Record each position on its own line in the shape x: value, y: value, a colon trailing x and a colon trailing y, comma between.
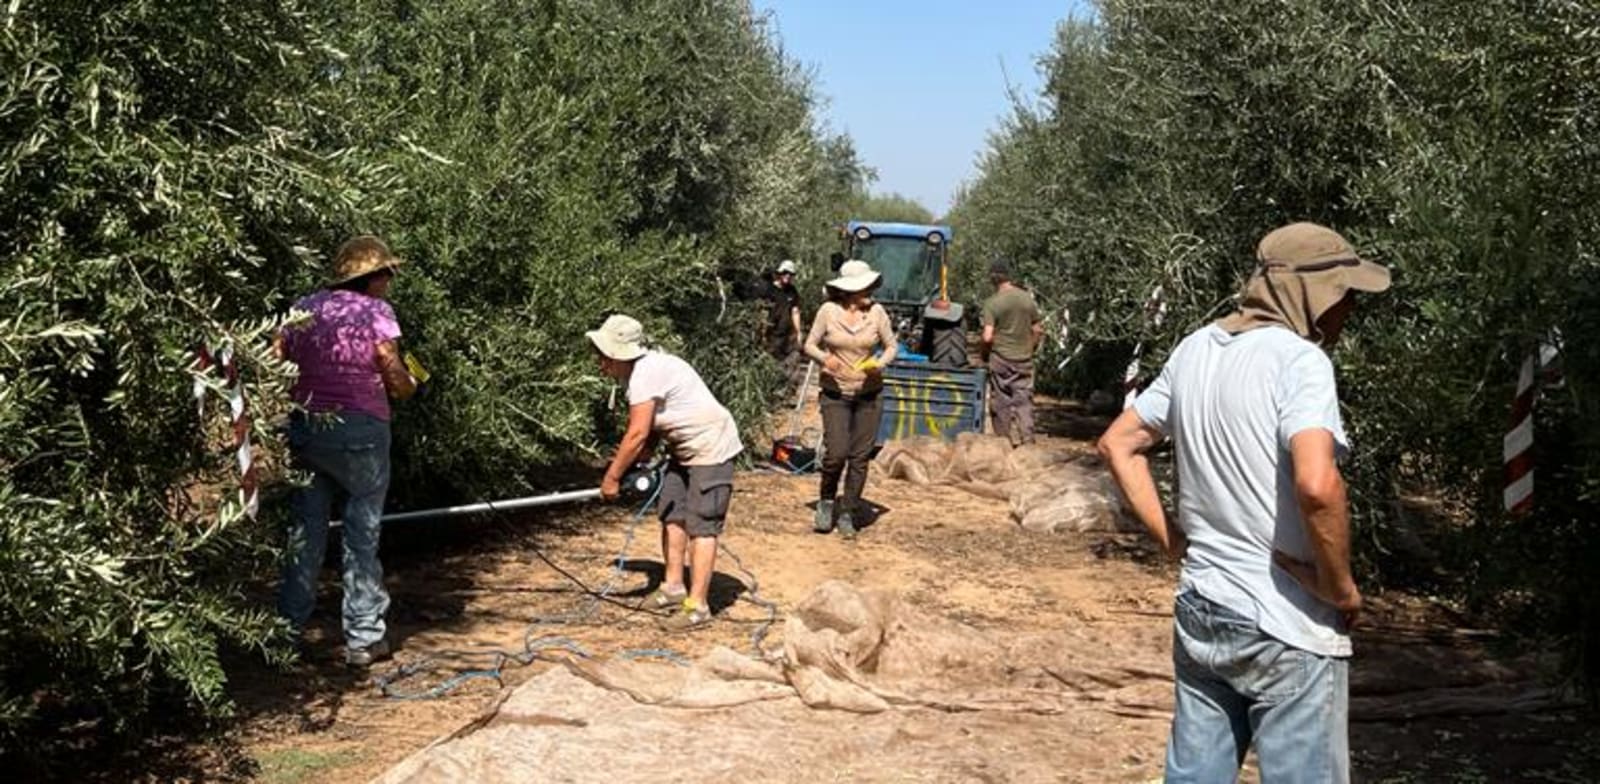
x: 914, y: 260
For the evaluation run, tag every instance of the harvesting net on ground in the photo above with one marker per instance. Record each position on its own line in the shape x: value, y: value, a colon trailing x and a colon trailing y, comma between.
x: 863, y: 680
x: 1051, y: 486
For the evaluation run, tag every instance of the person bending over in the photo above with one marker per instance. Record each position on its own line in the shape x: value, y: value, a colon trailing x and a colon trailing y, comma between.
x: 668, y: 400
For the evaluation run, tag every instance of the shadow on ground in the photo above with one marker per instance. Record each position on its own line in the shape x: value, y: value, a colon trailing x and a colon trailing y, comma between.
x: 1069, y: 419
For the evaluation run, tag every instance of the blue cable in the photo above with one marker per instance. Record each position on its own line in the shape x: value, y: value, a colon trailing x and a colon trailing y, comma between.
x: 534, y: 645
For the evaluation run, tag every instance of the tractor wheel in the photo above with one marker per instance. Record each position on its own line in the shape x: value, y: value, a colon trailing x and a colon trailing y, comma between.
x: 947, y: 344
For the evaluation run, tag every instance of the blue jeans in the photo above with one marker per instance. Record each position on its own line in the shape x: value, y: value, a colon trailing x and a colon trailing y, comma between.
x: 349, y: 452
x: 1236, y: 685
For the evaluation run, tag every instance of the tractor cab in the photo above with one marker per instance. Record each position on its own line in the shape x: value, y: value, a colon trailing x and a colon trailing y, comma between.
x: 914, y: 261
x: 936, y: 392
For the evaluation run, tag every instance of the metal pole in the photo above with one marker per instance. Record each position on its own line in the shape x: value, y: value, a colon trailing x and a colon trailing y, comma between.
x: 805, y: 386
x: 528, y: 502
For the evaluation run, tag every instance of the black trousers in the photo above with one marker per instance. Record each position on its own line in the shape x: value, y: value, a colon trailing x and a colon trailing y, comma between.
x: 849, y: 432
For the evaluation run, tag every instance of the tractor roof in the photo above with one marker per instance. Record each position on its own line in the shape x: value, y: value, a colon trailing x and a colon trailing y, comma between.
x: 918, y: 230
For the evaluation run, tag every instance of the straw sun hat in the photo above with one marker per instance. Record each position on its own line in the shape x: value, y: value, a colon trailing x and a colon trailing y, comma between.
x: 359, y: 256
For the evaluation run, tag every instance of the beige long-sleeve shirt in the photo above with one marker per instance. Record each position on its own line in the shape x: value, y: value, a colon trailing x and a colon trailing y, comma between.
x: 852, y: 338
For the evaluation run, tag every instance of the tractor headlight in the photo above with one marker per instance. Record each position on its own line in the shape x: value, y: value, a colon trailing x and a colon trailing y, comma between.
x: 863, y: 234
x: 934, y: 238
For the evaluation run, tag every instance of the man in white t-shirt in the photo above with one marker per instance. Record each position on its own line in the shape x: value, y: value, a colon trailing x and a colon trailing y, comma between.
x: 1266, y: 597
x: 668, y: 399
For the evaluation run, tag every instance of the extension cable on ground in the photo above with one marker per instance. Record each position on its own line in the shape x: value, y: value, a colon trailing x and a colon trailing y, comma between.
x: 490, y: 664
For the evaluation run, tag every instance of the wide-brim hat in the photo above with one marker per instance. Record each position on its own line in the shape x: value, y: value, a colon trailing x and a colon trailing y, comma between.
x: 359, y: 256
x: 621, y: 338
x: 855, y: 275
x: 1304, y: 271
x: 1310, y: 249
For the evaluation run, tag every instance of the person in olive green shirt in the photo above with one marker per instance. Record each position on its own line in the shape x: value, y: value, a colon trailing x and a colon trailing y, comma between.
x: 1011, y: 332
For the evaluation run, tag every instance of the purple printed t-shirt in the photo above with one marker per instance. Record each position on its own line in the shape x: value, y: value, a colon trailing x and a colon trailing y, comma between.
x: 337, y: 352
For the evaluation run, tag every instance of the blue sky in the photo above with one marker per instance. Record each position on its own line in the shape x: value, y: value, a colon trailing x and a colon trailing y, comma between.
x: 919, y: 84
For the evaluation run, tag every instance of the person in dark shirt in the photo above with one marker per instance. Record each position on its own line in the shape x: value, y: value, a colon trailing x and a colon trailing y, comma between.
x: 783, y: 321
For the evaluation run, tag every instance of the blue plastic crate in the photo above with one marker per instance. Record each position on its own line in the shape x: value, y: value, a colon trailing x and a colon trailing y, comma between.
x: 923, y: 400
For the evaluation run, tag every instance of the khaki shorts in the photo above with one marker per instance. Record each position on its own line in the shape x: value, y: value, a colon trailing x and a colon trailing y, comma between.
x: 696, y: 496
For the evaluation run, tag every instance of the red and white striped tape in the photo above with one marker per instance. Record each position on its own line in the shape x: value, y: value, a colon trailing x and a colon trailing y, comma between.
x: 1155, y: 309
x: 1518, y: 445
x: 1064, y: 339
x: 239, y: 415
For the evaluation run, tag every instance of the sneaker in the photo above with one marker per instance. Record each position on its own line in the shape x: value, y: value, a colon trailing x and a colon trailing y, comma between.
x: 686, y: 619
x: 824, y: 521
x: 847, y: 525
x: 663, y: 600
x: 366, y: 657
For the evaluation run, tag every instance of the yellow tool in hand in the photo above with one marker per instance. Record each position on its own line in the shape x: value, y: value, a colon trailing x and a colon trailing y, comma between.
x: 415, y: 368
x: 869, y: 364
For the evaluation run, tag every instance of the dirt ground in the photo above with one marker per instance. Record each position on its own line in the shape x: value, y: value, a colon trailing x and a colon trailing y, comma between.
x: 479, y: 585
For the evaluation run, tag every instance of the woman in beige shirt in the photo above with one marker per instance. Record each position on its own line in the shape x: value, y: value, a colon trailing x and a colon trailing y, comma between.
x: 848, y: 330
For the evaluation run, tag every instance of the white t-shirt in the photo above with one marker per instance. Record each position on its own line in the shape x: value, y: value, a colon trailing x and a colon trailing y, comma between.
x: 1230, y: 403
x: 697, y: 429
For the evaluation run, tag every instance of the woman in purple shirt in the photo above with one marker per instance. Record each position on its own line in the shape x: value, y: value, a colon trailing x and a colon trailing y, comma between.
x: 349, y: 366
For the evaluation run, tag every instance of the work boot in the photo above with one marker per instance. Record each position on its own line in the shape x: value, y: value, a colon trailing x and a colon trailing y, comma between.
x: 366, y: 657
x: 824, y: 521
x: 847, y: 523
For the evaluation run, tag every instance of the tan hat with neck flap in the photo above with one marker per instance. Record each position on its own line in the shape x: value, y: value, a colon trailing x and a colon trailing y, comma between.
x: 1304, y: 269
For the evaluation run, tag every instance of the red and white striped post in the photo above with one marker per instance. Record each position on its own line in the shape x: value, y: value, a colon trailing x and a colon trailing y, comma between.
x: 1155, y: 308
x: 1517, y: 449
x: 239, y: 415
x: 1064, y: 339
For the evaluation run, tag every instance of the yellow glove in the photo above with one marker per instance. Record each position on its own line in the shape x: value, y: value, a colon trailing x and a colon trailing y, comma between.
x: 869, y: 364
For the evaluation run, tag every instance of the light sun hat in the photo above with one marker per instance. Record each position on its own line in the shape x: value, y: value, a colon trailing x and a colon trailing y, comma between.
x: 620, y: 338
x: 359, y: 256
x: 786, y: 267
x: 855, y: 275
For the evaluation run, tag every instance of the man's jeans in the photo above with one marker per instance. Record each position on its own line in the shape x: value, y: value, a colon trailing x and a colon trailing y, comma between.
x: 349, y: 452
x: 1236, y: 685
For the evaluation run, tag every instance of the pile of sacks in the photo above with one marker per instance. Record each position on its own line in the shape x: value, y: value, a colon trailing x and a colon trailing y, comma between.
x: 1051, y: 487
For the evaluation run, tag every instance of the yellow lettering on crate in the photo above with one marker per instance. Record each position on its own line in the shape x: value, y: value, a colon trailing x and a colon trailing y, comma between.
x: 955, y: 399
x: 911, y: 409
x: 900, y: 412
x: 920, y: 403
x: 927, y: 408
